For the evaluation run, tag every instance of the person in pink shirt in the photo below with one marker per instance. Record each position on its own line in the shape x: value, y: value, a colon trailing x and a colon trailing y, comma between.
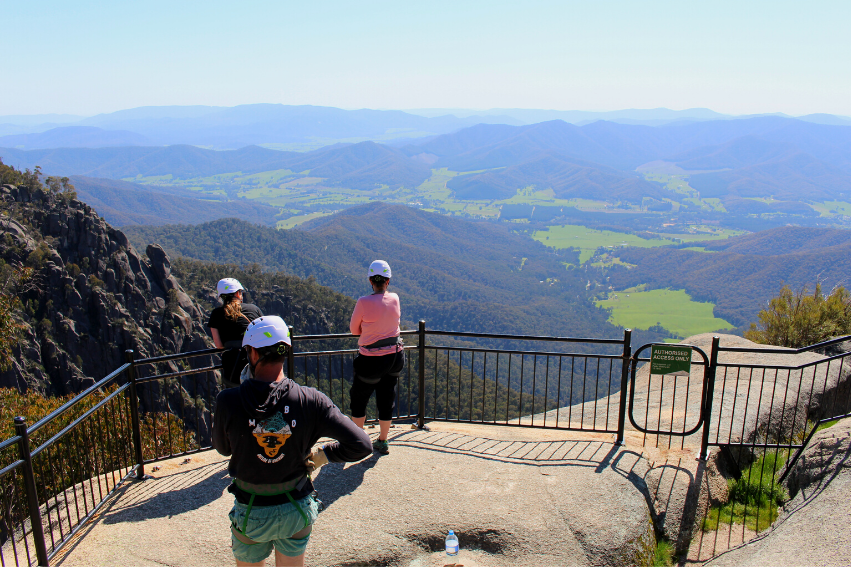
x: 380, y: 357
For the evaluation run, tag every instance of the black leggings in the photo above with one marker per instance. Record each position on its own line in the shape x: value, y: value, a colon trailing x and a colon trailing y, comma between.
x: 385, y: 397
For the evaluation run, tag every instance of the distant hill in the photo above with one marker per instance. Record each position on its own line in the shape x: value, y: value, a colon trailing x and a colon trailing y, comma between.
x: 362, y: 166
x: 356, y: 166
x: 746, y: 271
x: 492, y: 146
x: 123, y: 204
x: 798, y: 176
x: 784, y: 240
x: 737, y: 153
x: 74, y: 137
x: 250, y: 124
x: 123, y: 162
x: 566, y: 177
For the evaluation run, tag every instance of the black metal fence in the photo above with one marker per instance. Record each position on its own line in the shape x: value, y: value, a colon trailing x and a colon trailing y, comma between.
x: 161, y: 407
x: 761, y: 413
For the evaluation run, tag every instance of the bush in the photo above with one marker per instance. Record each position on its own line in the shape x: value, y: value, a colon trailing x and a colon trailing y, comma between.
x: 797, y: 320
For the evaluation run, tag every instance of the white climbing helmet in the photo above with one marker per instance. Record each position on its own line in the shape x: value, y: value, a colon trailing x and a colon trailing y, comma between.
x: 228, y: 285
x: 266, y: 331
x: 379, y: 268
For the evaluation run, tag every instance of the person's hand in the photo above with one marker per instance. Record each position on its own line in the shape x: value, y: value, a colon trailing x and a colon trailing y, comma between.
x: 315, y: 460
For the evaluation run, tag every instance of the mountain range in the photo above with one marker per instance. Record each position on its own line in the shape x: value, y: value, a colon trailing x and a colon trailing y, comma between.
x: 236, y: 127
x: 766, y: 164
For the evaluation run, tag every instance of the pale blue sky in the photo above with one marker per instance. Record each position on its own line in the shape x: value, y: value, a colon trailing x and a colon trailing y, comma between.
x: 739, y: 57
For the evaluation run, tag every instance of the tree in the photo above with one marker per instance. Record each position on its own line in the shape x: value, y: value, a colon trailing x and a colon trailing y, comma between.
x: 798, y: 319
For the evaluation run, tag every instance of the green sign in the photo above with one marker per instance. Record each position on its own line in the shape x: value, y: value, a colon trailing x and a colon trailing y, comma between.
x: 665, y: 359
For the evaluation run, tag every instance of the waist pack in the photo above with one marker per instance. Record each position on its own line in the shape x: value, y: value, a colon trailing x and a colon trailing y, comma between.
x: 370, y: 369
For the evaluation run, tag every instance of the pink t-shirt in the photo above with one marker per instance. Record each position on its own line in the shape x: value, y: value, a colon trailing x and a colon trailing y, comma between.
x: 376, y: 317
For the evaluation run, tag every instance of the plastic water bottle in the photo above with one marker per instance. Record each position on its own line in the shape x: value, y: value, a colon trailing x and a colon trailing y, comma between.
x: 451, y: 543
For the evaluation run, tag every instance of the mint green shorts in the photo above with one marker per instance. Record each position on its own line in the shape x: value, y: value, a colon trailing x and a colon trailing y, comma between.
x: 272, y: 526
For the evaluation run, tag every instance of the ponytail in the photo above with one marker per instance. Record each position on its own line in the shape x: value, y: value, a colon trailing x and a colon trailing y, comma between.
x: 233, y: 306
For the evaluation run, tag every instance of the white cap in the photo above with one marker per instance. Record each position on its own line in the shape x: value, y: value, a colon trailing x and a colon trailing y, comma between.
x: 379, y: 268
x: 228, y: 285
x: 266, y: 331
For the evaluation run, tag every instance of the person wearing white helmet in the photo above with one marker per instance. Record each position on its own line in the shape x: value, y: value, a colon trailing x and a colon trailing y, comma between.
x: 380, y: 357
x: 268, y: 427
x: 227, y: 325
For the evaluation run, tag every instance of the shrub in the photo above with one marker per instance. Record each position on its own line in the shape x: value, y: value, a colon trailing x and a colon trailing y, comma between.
x: 797, y: 319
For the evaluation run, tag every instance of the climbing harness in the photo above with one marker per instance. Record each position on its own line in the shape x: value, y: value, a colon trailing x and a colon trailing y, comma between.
x: 271, y: 490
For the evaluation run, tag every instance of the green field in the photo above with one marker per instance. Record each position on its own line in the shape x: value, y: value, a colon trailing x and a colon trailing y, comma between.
x: 299, y: 219
x: 673, y: 309
x: 831, y: 208
x: 588, y: 240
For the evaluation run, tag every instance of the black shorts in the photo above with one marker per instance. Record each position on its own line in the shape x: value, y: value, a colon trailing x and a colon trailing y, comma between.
x: 233, y: 361
x: 378, y: 374
x: 385, y: 397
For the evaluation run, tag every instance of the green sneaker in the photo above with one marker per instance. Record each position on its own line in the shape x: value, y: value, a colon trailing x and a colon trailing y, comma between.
x: 382, y: 447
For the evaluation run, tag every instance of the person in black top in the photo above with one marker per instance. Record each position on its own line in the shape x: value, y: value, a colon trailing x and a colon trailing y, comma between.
x: 268, y: 427
x: 227, y: 325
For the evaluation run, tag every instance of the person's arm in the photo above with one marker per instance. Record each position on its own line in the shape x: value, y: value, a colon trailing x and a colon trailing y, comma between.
x: 221, y: 443
x: 357, y: 317
x: 351, y: 442
x: 216, y: 339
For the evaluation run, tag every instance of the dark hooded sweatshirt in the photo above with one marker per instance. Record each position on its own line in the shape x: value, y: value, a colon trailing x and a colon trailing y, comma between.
x: 269, y: 428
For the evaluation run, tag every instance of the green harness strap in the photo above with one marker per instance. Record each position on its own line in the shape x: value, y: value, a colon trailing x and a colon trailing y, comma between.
x: 251, y: 503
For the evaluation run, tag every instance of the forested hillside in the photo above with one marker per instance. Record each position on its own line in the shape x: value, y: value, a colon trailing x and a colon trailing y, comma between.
x: 122, y: 203
x: 455, y: 274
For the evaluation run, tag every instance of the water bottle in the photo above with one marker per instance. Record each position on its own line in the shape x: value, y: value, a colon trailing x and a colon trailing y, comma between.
x: 451, y: 543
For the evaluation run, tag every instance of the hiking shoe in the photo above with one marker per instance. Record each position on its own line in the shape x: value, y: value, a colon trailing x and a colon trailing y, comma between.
x: 382, y: 447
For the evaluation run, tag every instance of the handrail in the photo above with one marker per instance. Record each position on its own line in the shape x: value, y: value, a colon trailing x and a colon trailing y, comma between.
x: 47, y: 444
x: 9, y: 442
x: 179, y: 355
x: 340, y: 336
x: 798, y: 453
x: 784, y: 350
x: 538, y: 352
x: 75, y: 400
x: 526, y: 337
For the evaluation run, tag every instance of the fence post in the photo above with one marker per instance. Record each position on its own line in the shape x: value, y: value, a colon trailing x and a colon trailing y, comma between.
x: 32, y: 493
x: 627, y: 354
x: 291, y: 357
x: 709, y: 392
x: 421, y: 356
x: 134, y: 415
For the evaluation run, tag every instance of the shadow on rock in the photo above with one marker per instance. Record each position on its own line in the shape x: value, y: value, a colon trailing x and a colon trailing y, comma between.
x: 171, y: 495
x: 335, y: 479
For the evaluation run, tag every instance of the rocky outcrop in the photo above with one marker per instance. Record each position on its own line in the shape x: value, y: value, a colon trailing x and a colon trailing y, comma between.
x: 95, y: 295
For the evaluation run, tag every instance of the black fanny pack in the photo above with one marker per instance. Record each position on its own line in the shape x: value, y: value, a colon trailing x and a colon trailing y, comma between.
x: 371, y: 369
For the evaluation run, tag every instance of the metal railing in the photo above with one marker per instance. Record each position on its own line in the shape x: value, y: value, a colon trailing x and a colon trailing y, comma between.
x: 527, y: 387
x: 160, y: 407
x: 758, y: 412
